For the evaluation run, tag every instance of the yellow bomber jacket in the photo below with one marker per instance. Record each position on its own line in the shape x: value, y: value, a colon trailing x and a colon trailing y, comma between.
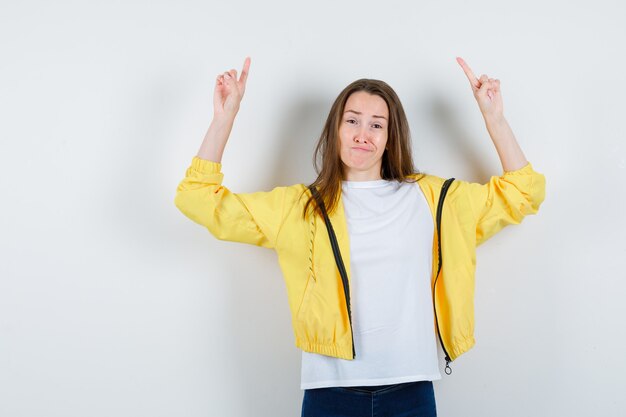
x: 472, y: 213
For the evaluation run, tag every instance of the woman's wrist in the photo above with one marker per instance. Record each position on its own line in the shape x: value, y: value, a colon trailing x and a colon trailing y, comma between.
x: 215, y: 138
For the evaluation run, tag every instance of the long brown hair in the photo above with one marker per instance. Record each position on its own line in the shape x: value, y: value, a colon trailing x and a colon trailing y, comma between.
x: 397, y: 160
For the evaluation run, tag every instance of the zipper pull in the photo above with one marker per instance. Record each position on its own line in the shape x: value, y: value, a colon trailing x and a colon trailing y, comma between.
x: 448, y: 370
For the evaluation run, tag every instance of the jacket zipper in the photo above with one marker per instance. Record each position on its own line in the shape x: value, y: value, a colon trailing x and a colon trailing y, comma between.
x: 338, y: 260
x: 442, y: 195
x: 344, y: 278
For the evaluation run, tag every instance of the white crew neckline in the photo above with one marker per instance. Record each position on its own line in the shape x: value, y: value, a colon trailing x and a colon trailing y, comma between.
x: 366, y: 184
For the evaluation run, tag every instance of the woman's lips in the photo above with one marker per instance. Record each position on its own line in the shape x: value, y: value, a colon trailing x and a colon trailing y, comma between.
x: 361, y: 149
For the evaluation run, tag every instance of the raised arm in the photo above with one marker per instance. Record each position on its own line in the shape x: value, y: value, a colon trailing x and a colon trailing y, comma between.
x: 253, y: 218
x: 520, y: 190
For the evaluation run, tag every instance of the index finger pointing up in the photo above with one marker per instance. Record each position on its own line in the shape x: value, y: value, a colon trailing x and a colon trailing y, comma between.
x: 468, y: 72
x: 244, y: 71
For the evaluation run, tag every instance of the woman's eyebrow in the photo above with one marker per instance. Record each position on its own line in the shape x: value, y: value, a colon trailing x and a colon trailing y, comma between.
x: 358, y: 112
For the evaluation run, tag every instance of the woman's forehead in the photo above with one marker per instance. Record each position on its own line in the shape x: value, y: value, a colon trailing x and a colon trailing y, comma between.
x: 362, y: 102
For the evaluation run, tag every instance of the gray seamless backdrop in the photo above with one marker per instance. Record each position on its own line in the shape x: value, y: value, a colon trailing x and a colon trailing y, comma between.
x: 112, y: 303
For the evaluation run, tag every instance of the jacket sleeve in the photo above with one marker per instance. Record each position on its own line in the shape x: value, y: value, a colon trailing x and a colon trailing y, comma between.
x: 505, y: 200
x: 253, y: 218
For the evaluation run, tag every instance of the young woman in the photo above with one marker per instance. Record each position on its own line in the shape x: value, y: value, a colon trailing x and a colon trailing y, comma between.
x: 378, y: 258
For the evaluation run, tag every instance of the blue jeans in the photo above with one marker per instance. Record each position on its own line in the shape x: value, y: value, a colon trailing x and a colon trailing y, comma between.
x: 407, y: 399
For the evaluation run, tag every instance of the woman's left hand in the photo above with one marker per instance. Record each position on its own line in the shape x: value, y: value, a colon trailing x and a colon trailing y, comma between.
x: 486, y: 91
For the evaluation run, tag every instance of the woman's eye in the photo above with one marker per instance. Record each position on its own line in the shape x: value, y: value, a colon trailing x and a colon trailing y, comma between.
x: 377, y: 125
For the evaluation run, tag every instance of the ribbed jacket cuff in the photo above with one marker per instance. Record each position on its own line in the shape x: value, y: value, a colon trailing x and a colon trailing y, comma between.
x: 525, y: 170
x: 205, y: 166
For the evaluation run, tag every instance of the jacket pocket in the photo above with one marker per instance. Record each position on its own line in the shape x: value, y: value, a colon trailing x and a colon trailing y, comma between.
x: 308, y: 289
x: 311, y: 278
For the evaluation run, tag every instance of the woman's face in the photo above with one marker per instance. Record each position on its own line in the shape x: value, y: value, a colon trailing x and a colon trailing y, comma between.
x: 363, y: 136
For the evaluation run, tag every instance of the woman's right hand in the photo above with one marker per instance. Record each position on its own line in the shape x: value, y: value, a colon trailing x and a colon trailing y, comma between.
x: 229, y: 91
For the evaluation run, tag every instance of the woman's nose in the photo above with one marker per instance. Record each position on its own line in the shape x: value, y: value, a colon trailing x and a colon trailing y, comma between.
x: 361, y: 135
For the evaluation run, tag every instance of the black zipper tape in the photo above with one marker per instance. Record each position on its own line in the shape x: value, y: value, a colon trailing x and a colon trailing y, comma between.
x: 442, y: 196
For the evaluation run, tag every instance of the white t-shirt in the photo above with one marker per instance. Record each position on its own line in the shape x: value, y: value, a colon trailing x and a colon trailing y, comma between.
x: 391, y: 234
